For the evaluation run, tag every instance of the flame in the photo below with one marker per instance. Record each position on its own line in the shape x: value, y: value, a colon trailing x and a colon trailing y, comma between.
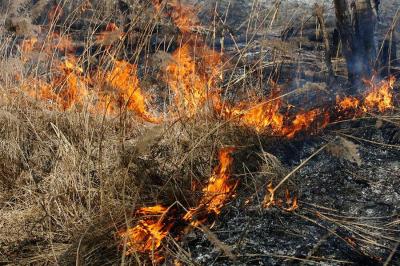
x: 301, y: 122
x: 259, y: 116
x: 290, y: 204
x: 190, y: 80
x: 380, y: 95
x: 348, y: 103
x: 64, y: 91
x: 184, y: 16
x: 155, y: 210
x: 217, y: 191
x: 71, y: 85
x: 123, y: 78
x: 147, y: 235
x: 269, y: 198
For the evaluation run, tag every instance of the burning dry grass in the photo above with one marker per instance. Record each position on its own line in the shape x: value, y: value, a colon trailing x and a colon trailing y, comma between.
x: 92, y: 169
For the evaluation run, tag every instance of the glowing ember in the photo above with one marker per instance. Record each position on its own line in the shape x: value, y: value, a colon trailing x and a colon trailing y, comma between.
x: 218, y: 190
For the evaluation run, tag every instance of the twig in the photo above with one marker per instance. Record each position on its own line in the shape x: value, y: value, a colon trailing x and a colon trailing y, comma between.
x: 389, y: 259
x: 370, y: 141
x: 300, y: 166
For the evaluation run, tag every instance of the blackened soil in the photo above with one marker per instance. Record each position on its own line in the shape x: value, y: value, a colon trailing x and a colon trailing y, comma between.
x: 348, y: 213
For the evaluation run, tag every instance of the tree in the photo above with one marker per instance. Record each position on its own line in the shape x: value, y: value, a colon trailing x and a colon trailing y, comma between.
x: 356, y: 21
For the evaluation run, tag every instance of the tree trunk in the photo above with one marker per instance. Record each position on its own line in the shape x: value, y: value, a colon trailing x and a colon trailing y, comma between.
x: 319, y: 13
x: 356, y: 23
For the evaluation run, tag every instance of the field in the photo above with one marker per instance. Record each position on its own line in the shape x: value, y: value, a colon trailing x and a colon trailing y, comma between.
x: 195, y: 132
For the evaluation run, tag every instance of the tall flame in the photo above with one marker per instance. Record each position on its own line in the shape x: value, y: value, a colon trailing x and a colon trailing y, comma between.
x: 123, y: 78
x: 218, y: 190
x: 189, y: 79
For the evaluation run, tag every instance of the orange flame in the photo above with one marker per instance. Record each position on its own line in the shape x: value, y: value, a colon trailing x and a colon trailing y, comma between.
x: 380, y: 95
x: 218, y: 190
x: 65, y: 90
x: 189, y: 80
x: 147, y: 235
x: 260, y: 116
x: 348, y: 103
x: 301, y: 122
x: 123, y: 78
x: 184, y: 16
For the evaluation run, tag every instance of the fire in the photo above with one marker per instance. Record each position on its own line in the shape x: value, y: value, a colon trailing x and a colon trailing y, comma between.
x: 184, y: 16
x: 380, y: 95
x: 301, y: 122
x: 348, y: 103
x: 70, y: 84
x: 123, y: 78
x: 259, y: 116
x: 65, y: 90
x: 147, y: 235
x: 158, y: 221
x: 190, y: 79
x: 218, y: 190
x: 289, y: 204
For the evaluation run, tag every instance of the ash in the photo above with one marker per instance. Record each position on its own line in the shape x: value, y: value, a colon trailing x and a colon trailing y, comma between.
x: 348, y: 213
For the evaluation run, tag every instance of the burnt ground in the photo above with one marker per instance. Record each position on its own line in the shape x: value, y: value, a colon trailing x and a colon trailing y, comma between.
x: 344, y: 208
